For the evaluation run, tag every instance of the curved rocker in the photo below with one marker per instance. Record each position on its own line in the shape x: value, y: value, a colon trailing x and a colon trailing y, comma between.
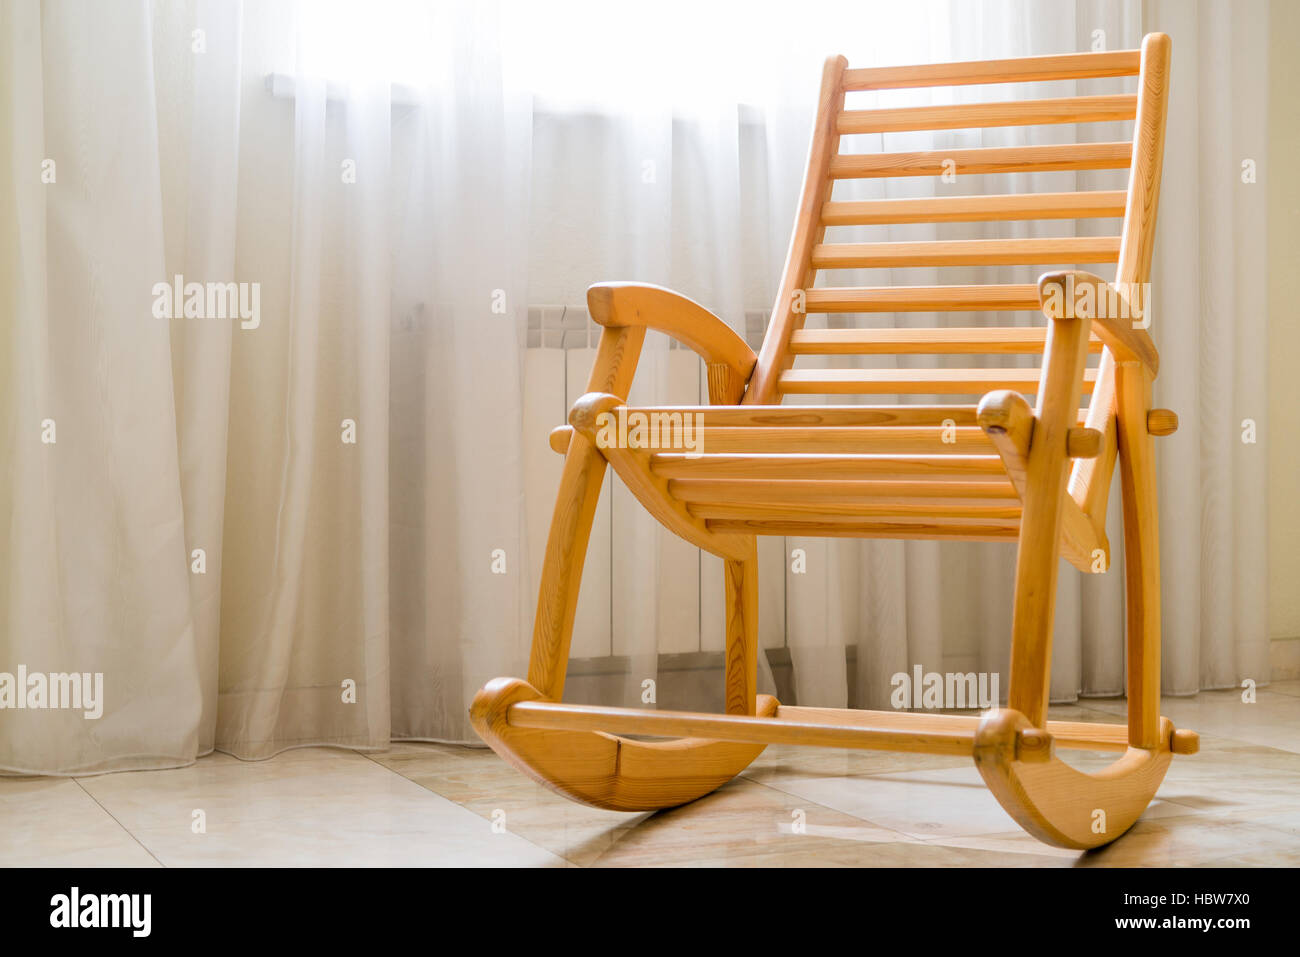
x: 605, y: 770
x: 1059, y: 804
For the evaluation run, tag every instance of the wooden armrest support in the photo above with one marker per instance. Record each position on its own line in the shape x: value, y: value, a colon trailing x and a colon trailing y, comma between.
x: 616, y: 304
x: 1128, y: 344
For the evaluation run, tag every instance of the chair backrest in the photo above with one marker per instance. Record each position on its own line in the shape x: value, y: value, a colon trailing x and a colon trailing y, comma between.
x: 810, y: 253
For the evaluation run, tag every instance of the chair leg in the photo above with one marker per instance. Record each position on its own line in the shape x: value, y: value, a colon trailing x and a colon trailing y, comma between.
x: 1141, y: 555
x: 741, y: 583
x: 566, y: 553
x: 1038, y: 556
x: 575, y: 510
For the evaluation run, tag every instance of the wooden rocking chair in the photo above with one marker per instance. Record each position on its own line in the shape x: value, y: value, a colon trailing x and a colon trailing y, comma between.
x: 997, y: 471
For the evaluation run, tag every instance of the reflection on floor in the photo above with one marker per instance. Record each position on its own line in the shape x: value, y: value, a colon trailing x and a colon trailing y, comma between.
x: 1236, y: 803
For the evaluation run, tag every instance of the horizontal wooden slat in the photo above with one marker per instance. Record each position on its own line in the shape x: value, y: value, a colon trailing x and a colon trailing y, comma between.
x: 843, y: 492
x: 1006, y: 514
x: 1001, y: 516
x: 1075, y: 735
x: 553, y: 715
x: 672, y: 465
x: 967, y: 252
x: 829, y: 440
x: 1021, y: 297
x: 1029, y: 340
x: 927, y: 733
x: 912, y: 381
x: 1068, y: 109
x: 997, y: 159
x: 796, y: 416
x: 968, y: 209
x: 1068, y: 66
x: 866, y: 529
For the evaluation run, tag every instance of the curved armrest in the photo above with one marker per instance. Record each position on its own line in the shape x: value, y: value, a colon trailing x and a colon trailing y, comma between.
x: 635, y: 304
x: 1074, y: 292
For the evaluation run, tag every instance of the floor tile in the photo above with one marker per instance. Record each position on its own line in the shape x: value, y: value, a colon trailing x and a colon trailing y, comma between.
x: 328, y: 807
x: 53, y: 822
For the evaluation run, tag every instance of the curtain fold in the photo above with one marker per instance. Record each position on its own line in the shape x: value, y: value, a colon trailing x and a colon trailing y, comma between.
x: 322, y: 522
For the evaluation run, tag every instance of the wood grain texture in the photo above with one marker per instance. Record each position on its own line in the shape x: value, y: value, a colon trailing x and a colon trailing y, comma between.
x: 1090, y: 478
x: 927, y: 530
x: 980, y: 208
x: 1139, y: 231
x: 560, y: 438
x: 641, y: 305
x: 1001, y: 298
x: 1137, y: 474
x: 914, y: 381
x: 840, y: 492
x: 798, y: 275
x: 1162, y: 422
x: 1009, y: 422
x: 893, y: 439
x: 740, y: 588
x: 803, y: 466
x: 983, y: 160
x: 571, y: 520
x: 987, y: 340
x: 1069, y: 735
x: 1041, y: 522
x: 811, y: 417
x: 960, y: 116
x: 651, y: 490
x: 918, y: 736
x: 966, y: 252
x: 1068, y: 66
x: 1115, y: 319
x: 603, y: 770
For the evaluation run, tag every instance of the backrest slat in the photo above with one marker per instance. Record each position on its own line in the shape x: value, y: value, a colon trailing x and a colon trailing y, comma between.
x: 966, y: 209
x: 1070, y: 109
x: 1069, y: 66
x: 983, y: 160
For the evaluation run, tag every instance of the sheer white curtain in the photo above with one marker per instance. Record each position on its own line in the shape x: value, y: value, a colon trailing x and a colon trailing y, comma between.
x: 322, y: 526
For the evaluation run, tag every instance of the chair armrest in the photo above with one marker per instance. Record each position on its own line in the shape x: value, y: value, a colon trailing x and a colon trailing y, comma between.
x: 634, y: 304
x: 1061, y: 291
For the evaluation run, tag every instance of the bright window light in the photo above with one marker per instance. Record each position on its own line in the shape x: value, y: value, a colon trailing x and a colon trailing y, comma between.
x: 606, y: 53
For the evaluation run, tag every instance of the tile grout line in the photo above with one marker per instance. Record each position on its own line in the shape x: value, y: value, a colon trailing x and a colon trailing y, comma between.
x: 547, y: 850
x: 129, y: 832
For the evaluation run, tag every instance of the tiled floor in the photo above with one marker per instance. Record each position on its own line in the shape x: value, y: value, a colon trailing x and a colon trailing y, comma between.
x: 1235, y: 803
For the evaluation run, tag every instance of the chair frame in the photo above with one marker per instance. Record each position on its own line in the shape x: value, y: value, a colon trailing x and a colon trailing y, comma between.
x: 1046, y: 486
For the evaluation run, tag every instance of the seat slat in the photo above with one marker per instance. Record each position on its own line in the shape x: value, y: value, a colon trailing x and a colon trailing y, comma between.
x: 793, y: 416
x: 1068, y: 66
x: 810, y: 416
x: 892, y: 468
x: 999, y: 516
x: 866, y: 529
x: 1069, y: 109
x: 1020, y: 297
x: 967, y: 252
x: 1004, y: 340
x: 842, y: 492
x: 912, y: 381
x: 893, y: 439
x: 997, y: 159
x: 967, y: 209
